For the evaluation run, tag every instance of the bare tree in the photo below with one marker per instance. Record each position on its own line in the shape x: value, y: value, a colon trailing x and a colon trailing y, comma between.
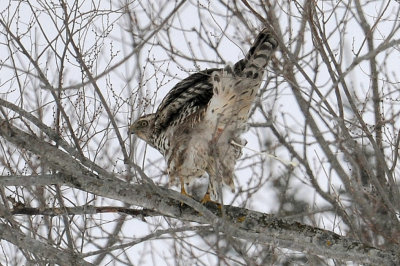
x: 76, y: 189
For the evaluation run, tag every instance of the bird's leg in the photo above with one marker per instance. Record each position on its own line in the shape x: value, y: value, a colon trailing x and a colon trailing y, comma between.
x: 183, y: 191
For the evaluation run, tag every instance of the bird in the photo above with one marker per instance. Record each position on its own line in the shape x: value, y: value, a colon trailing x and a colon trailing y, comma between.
x: 199, y: 123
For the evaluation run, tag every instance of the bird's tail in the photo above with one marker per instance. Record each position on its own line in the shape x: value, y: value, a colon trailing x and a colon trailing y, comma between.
x: 234, y: 89
x: 257, y: 57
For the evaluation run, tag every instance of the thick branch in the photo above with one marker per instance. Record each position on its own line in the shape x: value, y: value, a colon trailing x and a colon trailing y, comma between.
x: 29, y: 180
x: 84, y: 210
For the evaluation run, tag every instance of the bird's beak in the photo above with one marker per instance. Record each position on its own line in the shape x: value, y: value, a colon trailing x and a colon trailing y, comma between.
x: 131, y: 130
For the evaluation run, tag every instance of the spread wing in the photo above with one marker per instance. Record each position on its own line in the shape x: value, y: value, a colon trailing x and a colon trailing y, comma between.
x: 194, y: 91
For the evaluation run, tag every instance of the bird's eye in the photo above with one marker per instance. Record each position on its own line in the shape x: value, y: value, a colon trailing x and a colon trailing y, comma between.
x: 144, y: 123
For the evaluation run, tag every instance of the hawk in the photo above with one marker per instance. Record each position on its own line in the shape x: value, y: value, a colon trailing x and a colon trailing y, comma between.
x: 197, y: 120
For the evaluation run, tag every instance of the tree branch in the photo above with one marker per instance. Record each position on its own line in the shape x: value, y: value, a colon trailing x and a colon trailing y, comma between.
x: 48, y: 253
x: 233, y: 221
x: 84, y: 210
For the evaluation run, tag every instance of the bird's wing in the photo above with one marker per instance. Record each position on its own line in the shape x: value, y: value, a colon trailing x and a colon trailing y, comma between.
x: 191, y: 93
x: 196, y: 90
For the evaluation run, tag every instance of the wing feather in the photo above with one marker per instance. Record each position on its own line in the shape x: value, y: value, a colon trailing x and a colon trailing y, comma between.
x: 194, y: 91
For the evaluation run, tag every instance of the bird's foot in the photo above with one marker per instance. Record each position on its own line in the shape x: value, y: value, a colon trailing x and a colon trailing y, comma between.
x: 206, y: 198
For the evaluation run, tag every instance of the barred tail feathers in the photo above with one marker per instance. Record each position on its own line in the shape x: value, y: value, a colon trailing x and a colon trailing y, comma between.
x: 258, y: 55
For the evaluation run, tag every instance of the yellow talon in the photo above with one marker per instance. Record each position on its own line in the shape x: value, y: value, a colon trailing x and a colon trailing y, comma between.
x: 206, y: 198
x: 241, y: 219
x: 183, y: 191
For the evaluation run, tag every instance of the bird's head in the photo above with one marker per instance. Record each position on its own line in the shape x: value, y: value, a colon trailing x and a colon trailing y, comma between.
x: 143, y: 127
